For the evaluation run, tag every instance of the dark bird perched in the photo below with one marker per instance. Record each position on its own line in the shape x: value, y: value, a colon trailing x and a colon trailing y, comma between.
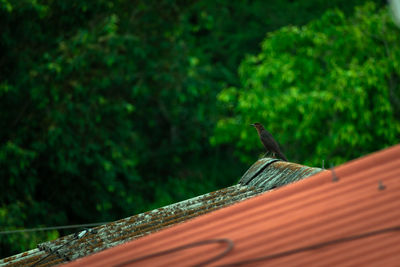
x: 268, y: 141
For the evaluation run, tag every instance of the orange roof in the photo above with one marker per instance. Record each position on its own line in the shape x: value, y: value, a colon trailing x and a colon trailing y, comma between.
x: 364, y: 199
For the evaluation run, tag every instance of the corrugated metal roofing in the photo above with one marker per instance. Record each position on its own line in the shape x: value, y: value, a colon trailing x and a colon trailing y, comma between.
x: 330, y: 213
x: 124, y: 230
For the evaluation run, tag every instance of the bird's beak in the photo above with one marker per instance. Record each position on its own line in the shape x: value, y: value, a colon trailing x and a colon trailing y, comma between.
x: 252, y: 125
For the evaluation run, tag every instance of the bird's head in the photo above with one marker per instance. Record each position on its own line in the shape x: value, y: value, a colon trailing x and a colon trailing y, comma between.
x: 257, y: 125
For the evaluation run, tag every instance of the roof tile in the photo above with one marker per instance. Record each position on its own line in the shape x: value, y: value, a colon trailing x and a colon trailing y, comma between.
x: 68, y: 248
x: 306, y: 213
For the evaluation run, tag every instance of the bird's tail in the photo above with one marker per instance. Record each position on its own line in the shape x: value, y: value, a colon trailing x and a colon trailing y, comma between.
x: 280, y: 155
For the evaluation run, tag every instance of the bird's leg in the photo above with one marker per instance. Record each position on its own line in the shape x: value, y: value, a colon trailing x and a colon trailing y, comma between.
x: 267, y: 154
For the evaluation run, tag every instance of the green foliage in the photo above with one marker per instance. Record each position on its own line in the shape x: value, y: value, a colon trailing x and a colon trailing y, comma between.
x: 15, y: 215
x: 106, y: 107
x: 328, y: 90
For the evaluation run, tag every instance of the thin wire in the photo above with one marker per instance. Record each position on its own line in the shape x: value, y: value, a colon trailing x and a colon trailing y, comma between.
x: 312, y: 247
x: 186, y: 246
x: 75, y: 237
x: 51, y: 228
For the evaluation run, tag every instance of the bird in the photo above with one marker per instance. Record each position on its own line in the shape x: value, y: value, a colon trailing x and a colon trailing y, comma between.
x: 268, y: 141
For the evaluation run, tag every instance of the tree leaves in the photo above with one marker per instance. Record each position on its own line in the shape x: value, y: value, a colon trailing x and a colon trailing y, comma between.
x: 321, y: 89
